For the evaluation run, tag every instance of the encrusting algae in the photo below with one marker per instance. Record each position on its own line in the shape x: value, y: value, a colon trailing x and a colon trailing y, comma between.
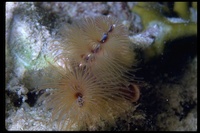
x: 154, y: 14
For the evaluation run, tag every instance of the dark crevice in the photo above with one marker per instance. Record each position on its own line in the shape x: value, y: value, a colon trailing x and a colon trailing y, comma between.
x: 170, y: 66
x: 15, y: 99
x: 186, y: 108
x: 32, y: 98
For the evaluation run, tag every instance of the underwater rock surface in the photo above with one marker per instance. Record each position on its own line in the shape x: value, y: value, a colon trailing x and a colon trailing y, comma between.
x: 168, y: 100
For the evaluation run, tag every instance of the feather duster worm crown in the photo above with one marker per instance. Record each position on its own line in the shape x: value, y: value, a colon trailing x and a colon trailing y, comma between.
x: 101, y: 43
x: 80, y: 99
x: 90, y: 85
